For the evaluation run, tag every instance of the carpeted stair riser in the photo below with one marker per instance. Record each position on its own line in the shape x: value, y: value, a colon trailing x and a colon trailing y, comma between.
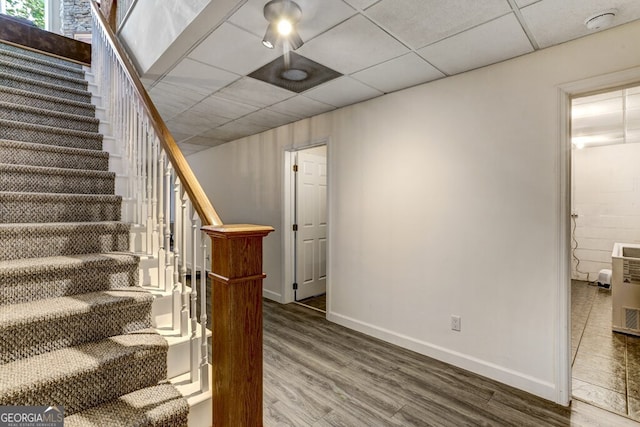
x: 57, y: 239
x: 35, y: 279
x: 86, y: 375
x: 161, y: 405
x: 27, y: 114
x: 41, y: 76
x: 17, y: 82
x: 38, y: 327
x: 47, y: 207
x: 39, y: 56
x: 44, y: 65
x: 73, y: 326
x: 35, y: 179
x: 51, y: 103
x: 39, y: 134
x: 28, y: 154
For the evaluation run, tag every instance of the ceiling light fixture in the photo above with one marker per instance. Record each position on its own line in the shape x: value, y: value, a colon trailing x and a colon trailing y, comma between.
x: 283, y: 16
x: 600, y: 20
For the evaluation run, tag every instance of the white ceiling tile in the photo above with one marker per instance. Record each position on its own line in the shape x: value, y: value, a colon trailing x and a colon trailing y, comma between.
x: 224, y: 107
x: 342, y: 91
x: 251, y: 18
x: 523, y: 3
x: 233, y: 49
x: 399, y: 73
x: 171, y: 100
x: 254, y: 92
x: 486, y: 44
x: 268, y: 118
x: 553, y: 22
x: 178, y: 136
x: 203, y: 140
x: 189, y: 149
x: 361, y: 4
x: 352, y: 46
x: 316, y: 16
x: 234, y: 130
x: 319, y: 16
x: 422, y: 22
x: 193, y: 123
x: 147, y: 82
x: 301, y: 106
x: 199, y: 77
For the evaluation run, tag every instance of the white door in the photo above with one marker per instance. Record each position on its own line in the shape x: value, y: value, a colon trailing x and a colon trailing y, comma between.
x: 311, y: 237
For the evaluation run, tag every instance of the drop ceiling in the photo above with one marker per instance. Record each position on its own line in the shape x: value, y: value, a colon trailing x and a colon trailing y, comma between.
x: 378, y: 46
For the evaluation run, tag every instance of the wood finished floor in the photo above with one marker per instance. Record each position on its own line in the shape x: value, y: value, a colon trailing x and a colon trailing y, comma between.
x: 317, y: 373
x: 606, y: 364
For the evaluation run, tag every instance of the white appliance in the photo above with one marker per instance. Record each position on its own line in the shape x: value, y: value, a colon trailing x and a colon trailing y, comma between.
x: 625, y: 288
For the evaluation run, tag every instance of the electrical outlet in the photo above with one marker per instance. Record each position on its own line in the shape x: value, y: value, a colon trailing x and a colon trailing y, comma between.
x: 455, y: 322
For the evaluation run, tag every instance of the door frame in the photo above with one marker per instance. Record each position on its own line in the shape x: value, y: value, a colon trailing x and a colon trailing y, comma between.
x: 563, y: 335
x: 288, y: 242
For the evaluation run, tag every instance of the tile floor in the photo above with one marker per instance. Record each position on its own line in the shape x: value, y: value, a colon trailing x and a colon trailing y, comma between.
x: 606, y: 364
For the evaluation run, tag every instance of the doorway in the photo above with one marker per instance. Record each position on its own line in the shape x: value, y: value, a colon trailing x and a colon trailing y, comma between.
x: 605, y: 131
x: 309, y: 223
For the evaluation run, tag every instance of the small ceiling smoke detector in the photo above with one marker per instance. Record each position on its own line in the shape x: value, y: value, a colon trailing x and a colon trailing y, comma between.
x: 600, y: 20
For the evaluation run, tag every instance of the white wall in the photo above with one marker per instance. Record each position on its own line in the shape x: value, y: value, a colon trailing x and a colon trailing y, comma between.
x: 443, y: 199
x: 169, y: 28
x: 606, y: 197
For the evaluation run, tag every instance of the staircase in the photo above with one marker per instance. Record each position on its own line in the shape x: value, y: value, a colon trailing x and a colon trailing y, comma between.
x: 76, y: 327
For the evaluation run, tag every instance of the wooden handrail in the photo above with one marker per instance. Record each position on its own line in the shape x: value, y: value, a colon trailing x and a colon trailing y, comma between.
x: 198, y: 197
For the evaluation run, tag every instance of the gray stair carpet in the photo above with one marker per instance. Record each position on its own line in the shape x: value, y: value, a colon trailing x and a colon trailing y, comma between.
x: 75, y: 327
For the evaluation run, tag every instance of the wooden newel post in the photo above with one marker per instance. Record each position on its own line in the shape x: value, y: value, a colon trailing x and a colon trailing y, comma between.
x: 236, y: 309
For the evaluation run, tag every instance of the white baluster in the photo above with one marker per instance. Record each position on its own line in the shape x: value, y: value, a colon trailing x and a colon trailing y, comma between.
x: 153, y: 188
x: 149, y: 167
x: 204, y: 342
x: 162, y: 250
x: 177, y: 240
x: 195, y: 351
x: 168, y: 269
x: 184, y: 312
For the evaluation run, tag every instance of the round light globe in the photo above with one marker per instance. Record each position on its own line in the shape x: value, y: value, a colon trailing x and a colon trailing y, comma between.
x: 284, y: 27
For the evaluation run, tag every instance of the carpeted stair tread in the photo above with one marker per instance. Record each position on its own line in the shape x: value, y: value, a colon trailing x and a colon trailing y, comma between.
x: 86, y: 375
x: 31, y: 279
x: 55, y: 156
x: 58, y: 207
x: 40, y: 116
x: 40, y: 134
x: 24, y: 97
x: 40, y: 179
x: 60, y: 239
x: 22, y: 58
x: 6, y: 47
x: 74, y: 325
x: 50, y: 89
x: 41, y: 75
x: 156, y: 406
x: 36, y: 327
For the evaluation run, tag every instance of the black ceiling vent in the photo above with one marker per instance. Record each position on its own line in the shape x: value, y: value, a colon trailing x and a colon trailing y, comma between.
x: 294, y: 72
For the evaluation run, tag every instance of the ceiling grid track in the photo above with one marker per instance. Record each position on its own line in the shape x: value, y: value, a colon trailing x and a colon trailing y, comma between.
x: 523, y: 24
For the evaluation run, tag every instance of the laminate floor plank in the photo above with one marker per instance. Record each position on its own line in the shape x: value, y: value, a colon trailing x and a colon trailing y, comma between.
x: 320, y: 374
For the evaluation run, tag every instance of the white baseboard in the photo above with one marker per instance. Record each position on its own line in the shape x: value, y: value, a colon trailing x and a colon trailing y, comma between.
x: 274, y: 296
x: 519, y: 380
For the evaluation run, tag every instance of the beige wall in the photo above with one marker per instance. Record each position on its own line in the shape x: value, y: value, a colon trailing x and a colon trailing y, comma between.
x: 443, y: 199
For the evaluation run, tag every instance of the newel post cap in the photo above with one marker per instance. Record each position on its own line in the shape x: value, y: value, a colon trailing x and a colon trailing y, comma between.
x: 237, y: 230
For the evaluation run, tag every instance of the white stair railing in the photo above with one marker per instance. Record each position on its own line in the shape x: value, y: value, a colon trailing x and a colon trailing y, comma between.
x: 156, y: 200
